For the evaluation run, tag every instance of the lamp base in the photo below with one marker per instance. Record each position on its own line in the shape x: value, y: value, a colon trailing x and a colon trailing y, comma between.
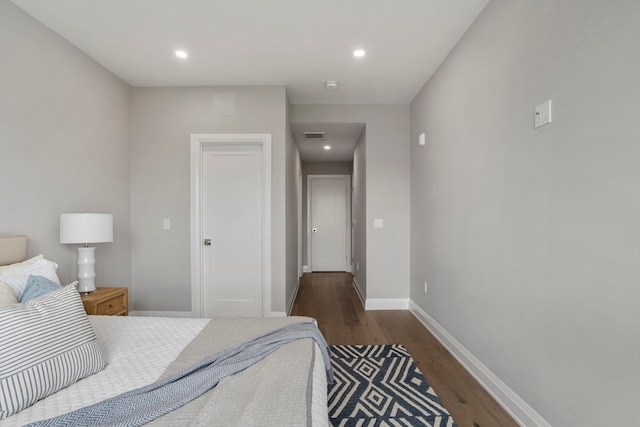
x: 86, y: 270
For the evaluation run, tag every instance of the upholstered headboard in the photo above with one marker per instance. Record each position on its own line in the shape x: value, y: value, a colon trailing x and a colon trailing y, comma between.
x: 13, y: 248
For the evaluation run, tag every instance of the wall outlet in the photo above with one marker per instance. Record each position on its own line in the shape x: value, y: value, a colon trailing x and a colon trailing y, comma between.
x: 425, y: 287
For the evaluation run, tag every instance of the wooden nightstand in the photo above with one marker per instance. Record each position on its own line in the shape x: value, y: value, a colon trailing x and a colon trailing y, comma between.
x: 107, y: 302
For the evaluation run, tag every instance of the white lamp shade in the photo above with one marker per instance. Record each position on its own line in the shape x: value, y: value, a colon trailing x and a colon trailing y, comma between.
x: 86, y: 228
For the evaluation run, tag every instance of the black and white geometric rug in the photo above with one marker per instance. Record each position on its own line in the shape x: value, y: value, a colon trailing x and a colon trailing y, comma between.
x: 380, y: 385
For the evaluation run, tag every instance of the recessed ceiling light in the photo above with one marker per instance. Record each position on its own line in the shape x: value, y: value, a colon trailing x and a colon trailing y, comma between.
x: 358, y: 53
x: 181, y: 54
x: 327, y: 147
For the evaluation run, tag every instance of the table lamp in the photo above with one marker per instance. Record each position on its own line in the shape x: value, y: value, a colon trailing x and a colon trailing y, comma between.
x: 85, y: 228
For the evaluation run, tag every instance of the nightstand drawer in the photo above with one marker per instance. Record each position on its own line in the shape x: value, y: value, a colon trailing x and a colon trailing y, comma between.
x: 112, y: 306
x: 107, y: 302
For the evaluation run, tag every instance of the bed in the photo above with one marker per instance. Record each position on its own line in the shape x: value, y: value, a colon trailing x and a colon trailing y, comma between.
x: 287, y: 387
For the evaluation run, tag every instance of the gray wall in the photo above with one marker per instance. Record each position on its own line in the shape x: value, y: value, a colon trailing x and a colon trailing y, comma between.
x: 162, y: 120
x: 64, y: 145
x: 387, y: 188
x: 359, y: 215
x: 293, y: 173
x: 529, y: 238
x: 317, y: 168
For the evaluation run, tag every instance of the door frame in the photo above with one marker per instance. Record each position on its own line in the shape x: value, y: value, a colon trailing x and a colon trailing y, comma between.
x: 199, y: 142
x: 347, y: 179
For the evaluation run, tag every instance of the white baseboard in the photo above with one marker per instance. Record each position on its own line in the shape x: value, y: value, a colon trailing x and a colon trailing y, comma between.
x: 305, y: 269
x: 379, y: 303
x: 161, y: 313
x: 358, y: 289
x: 185, y: 313
x: 293, y: 300
x: 522, y: 413
x: 278, y: 314
x: 387, y: 304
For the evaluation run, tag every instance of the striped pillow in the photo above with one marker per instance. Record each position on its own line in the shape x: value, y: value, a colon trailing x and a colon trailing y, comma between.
x: 46, y: 345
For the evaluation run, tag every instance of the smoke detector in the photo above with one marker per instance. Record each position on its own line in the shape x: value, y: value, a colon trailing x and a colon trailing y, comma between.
x: 331, y: 84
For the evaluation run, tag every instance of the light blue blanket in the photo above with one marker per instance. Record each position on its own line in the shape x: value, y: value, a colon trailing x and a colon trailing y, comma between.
x: 143, y: 405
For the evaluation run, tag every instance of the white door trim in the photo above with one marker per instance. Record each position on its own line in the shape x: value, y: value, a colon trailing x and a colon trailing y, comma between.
x: 198, y: 143
x: 300, y: 231
x: 347, y: 179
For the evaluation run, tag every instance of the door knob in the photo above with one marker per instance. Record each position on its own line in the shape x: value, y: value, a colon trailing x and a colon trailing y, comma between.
x: 207, y: 242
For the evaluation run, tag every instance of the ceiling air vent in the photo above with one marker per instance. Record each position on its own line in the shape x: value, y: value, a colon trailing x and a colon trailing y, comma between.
x: 314, y: 135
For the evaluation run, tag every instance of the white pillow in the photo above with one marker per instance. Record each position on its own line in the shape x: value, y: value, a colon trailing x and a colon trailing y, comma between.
x: 19, y: 266
x: 16, y: 275
x: 7, y: 297
x: 46, y: 344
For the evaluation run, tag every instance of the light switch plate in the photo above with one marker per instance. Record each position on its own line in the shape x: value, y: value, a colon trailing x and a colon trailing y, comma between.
x: 542, y: 114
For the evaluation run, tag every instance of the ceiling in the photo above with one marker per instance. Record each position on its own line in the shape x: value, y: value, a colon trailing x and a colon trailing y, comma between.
x: 341, y: 137
x: 300, y: 44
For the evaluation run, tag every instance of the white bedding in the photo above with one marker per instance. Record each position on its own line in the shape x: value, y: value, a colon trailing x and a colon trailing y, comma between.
x: 138, y: 350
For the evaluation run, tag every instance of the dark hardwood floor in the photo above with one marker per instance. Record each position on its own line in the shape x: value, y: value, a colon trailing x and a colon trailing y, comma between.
x: 331, y: 299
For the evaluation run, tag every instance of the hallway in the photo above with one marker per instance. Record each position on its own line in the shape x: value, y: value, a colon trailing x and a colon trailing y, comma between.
x: 331, y: 299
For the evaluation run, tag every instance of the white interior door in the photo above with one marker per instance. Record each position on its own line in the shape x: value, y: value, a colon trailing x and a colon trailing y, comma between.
x: 232, y: 194
x: 329, y: 211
